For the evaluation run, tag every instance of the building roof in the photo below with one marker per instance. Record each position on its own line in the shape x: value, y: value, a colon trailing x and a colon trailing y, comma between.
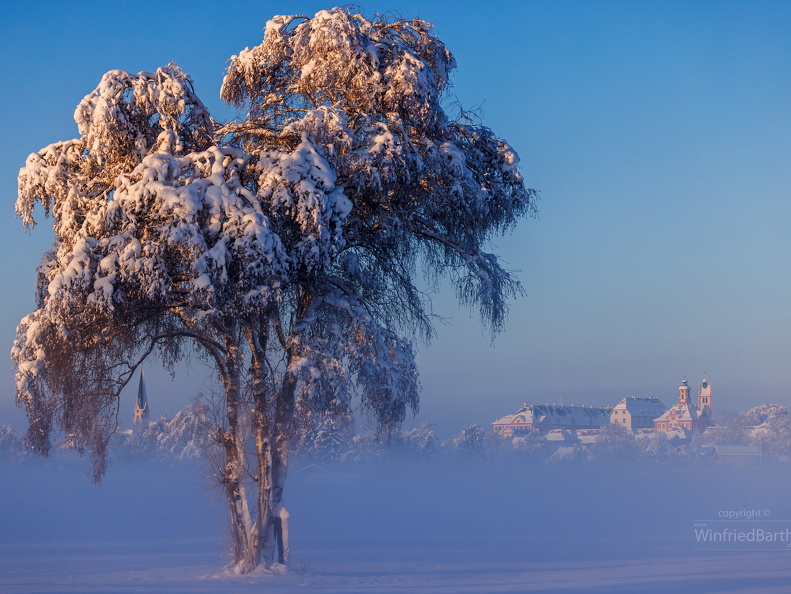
x: 562, y: 435
x: 588, y: 435
x: 568, y: 453
x: 551, y: 414
x: 141, y: 412
x: 682, y: 412
x: 142, y: 397
x: 679, y: 434
x: 737, y: 450
x: 642, y: 407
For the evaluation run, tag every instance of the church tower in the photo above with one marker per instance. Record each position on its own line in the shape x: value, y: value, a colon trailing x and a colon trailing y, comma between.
x: 685, y: 416
x: 141, y: 408
x: 683, y: 392
x: 704, y: 397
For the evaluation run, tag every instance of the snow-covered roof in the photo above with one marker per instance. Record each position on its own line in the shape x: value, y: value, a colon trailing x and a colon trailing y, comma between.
x: 682, y: 412
x: 678, y: 434
x: 506, y: 420
x: 563, y: 453
x: 642, y: 407
x: 562, y: 435
x: 552, y: 414
x: 588, y: 435
x: 713, y: 431
x: 737, y: 450
x: 644, y: 433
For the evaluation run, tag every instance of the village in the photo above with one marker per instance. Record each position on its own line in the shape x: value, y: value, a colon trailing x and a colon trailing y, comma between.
x: 575, y: 432
x: 640, y: 429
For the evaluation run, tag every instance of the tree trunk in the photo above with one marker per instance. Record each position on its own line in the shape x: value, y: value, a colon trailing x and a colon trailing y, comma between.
x: 279, y: 540
x: 233, y: 474
x: 283, y: 425
x: 261, y: 536
x: 237, y: 500
x: 278, y: 512
x: 267, y: 536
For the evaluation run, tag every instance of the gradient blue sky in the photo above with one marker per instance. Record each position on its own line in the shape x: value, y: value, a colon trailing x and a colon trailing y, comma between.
x: 659, y: 136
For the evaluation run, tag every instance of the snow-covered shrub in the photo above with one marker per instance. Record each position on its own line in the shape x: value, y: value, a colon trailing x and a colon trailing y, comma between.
x: 10, y: 444
x: 470, y: 442
x: 616, y: 443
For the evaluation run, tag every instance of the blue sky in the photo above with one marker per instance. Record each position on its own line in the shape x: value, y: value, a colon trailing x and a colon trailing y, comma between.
x: 658, y: 134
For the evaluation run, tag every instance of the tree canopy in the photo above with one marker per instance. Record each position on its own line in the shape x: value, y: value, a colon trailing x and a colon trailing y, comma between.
x: 283, y: 246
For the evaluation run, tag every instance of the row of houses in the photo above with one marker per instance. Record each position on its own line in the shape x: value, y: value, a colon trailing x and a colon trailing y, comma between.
x: 633, y: 413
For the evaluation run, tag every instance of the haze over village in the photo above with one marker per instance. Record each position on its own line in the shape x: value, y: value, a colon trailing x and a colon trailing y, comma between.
x: 642, y: 430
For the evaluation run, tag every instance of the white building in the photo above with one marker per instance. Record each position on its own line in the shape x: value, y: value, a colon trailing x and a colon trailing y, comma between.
x: 637, y: 413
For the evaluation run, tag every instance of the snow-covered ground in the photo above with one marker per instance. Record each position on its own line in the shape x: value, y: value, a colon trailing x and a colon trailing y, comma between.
x: 496, y: 526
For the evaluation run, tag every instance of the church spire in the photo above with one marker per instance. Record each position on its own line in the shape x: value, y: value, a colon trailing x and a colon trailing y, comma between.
x: 141, y: 408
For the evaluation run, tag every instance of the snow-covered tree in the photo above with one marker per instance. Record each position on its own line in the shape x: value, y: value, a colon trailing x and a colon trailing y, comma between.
x: 419, y: 441
x: 730, y: 434
x: 348, y: 104
x: 190, y: 435
x: 532, y: 443
x: 615, y: 442
x: 769, y: 426
x: 10, y: 443
x: 327, y: 439
x: 774, y: 436
x: 761, y: 414
x: 655, y: 447
x: 282, y: 247
x: 365, y: 447
x: 470, y: 442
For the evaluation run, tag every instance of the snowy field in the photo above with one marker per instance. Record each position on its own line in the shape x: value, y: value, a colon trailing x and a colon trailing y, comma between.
x: 504, y: 526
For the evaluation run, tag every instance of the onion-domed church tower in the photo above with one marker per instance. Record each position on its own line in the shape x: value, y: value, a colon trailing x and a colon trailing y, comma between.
x: 683, y: 392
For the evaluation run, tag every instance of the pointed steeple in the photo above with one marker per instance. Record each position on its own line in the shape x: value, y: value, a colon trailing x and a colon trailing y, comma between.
x: 141, y: 408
